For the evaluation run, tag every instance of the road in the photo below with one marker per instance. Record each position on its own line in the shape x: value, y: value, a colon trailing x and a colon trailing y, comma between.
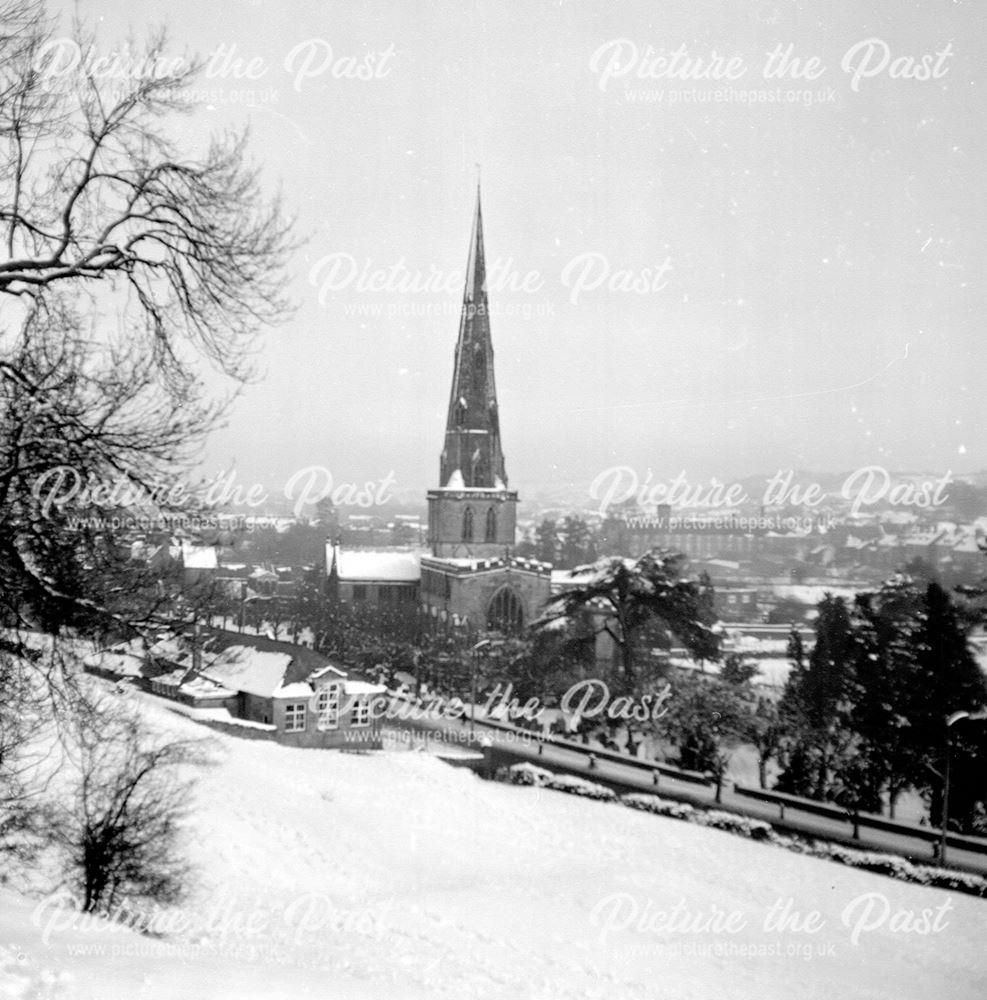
x: 518, y: 745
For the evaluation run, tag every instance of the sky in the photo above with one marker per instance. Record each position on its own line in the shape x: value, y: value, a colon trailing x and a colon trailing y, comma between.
x: 727, y: 239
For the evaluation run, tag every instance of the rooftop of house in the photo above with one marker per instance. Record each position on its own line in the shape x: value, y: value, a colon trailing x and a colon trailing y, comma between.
x: 300, y: 661
x: 366, y: 565
x: 199, y: 556
x: 255, y: 671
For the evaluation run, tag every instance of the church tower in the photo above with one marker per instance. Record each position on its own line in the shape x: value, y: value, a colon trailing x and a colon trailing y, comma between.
x: 472, y: 513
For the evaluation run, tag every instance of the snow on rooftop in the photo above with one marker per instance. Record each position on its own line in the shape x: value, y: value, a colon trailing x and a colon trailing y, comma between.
x: 358, y: 688
x: 199, y: 556
x: 123, y: 663
x: 811, y: 594
x: 297, y: 690
x: 562, y: 578
x: 170, y: 648
x: 969, y: 544
x: 330, y: 669
x: 255, y: 671
x: 200, y: 687
x: 391, y: 566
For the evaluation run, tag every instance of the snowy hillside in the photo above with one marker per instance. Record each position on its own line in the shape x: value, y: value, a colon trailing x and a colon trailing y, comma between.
x: 394, y: 875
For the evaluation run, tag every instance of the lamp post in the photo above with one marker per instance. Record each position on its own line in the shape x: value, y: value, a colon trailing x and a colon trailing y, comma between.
x: 950, y: 722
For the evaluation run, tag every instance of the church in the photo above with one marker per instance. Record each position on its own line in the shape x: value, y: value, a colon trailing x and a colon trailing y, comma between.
x: 470, y: 578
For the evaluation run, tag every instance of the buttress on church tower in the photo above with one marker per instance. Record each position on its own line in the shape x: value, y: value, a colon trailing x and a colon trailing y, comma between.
x: 472, y: 578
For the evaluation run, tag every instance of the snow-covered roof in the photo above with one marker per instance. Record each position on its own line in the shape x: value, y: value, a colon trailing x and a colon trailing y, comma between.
x: 121, y: 662
x: 170, y: 648
x: 456, y: 481
x: 898, y: 517
x: 260, y: 665
x: 969, y: 544
x: 199, y: 556
x: 297, y: 690
x: 357, y: 688
x: 385, y: 566
x: 327, y: 670
x: 256, y: 671
x: 810, y: 593
x: 921, y: 537
x: 562, y: 578
x: 200, y: 687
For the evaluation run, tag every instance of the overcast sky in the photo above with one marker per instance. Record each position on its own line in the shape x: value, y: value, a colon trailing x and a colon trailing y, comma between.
x: 808, y: 264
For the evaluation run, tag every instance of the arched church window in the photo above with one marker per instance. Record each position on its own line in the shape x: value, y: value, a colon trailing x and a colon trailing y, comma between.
x: 468, y: 524
x: 505, y: 612
x: 491, y: 533
x: 461, y: 412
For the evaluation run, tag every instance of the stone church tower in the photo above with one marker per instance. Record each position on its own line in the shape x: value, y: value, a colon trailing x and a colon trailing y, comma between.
x: 472, y: 578
x: 472, y: 514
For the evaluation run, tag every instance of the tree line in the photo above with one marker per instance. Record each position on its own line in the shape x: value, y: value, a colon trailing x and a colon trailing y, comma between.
x: 131, y: 259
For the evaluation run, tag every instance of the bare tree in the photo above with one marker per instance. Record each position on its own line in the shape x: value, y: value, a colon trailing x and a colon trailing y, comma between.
x: 39, y: 691
x: 96, y: 192
x: 121, y: 830
x: 124, y: 261
x: 127, y: 262
x: 22, y: 755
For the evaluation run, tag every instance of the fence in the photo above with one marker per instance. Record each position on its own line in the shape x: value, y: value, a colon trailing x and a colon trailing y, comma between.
x: 930, y: 835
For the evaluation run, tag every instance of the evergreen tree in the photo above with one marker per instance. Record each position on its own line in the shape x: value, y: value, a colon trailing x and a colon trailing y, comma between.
x: 814, y: 703
x: 946, y: 679
x: 632, y: 595
x: 709, y: 716
x: 546, y: 541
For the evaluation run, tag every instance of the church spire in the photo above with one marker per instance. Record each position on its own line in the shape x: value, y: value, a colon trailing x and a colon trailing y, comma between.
x: 472, y: 456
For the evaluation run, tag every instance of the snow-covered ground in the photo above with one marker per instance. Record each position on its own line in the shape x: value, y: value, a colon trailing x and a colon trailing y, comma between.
x: 393, y: 875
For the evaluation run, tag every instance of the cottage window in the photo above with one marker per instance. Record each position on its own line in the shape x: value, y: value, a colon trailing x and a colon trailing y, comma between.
x: 361, y: 712
x: 294, y: 717
x: 327, y: 702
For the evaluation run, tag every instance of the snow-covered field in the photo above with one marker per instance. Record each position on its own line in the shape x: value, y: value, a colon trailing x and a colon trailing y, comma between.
x: 342, y: 876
